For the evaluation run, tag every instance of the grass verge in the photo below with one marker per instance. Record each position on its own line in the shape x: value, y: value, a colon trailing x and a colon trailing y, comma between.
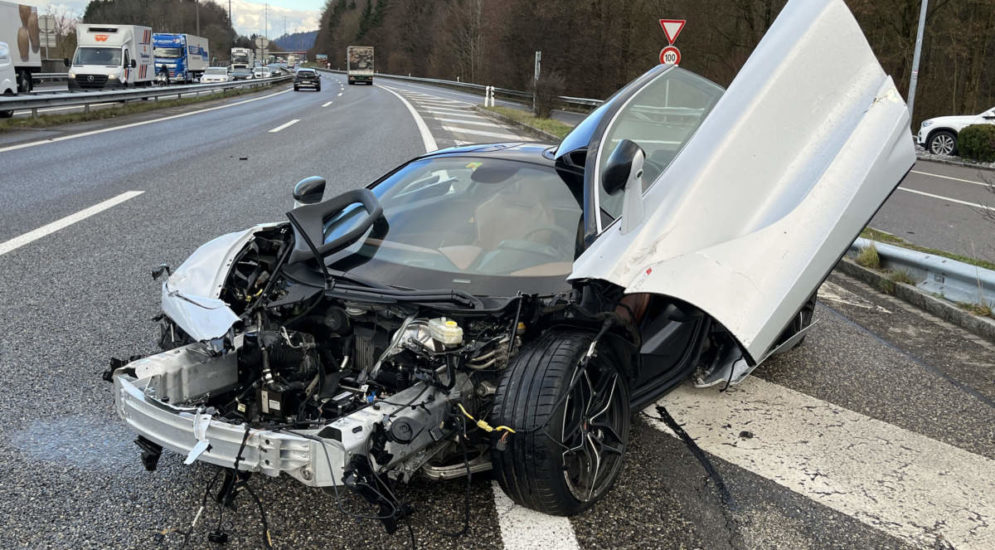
x: 129, y: 108
x: 549, y: 125
x: 883, y: 237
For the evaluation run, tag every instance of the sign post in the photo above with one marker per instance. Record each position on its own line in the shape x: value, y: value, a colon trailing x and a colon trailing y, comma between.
x: 46, y: 28
x: 670, y: 55
x: 535, y: 79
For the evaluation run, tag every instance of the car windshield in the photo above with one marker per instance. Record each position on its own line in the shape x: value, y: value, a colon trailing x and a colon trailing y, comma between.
x: 479, y: 223
x: 98, y: 56
x: 216, y: 70
x: 168, y: 52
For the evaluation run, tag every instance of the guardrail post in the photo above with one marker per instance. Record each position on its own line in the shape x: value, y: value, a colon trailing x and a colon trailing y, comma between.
x: 86, y: 108
x: 34, y: 113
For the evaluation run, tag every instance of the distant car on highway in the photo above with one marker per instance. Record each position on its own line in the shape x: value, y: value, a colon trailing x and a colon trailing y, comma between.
x: 308, y: 78
x: 241, y: 74
x: 215, y: 74
x: 262, y: 72
x: 939, y: 135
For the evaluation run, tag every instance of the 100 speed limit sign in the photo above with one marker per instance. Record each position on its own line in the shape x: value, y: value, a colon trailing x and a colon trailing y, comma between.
x: 670, y: 56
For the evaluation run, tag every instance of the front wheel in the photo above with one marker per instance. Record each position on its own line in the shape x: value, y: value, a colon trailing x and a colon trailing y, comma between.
x: 942, y: 142
x: 572, y: 424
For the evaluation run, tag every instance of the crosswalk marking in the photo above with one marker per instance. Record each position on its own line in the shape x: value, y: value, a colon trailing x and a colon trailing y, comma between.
x: 497, y: 135
x: 471, y: 122
x: 453, y: 112
x: 900, y: 482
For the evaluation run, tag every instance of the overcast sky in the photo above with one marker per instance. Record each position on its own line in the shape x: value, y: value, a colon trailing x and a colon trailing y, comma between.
x: 301, y: 15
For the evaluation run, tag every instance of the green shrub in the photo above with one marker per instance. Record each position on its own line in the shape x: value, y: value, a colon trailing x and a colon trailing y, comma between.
x: 977, y: 142
x: 868, y: 257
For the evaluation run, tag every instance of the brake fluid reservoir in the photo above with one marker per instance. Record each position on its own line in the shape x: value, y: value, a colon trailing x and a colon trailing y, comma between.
x: 446, y: 331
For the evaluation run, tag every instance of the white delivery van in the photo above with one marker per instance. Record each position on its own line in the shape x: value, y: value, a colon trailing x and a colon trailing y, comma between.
x: 112, y: 56
x: 19, y: 29
x: 8, y: 78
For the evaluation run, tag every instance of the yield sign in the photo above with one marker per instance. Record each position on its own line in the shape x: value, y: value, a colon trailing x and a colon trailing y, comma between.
x: 672, y: 28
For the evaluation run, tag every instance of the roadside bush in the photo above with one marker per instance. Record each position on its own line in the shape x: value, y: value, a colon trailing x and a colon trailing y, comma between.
x: 977, y: 142
x: 546, y: 90
x: 868, y: 257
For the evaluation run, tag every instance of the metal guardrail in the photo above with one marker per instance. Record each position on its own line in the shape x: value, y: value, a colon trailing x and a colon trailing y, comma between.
x: 88, y: 98
x: 943, y: 277
x: 517, y: 94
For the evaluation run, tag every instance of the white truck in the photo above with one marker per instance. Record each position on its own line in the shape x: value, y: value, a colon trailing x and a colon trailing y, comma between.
x: 8, y: 78
x: 112, y: 56
x: 359, y: 64
x: 242, y: 58
x: 19, y: 29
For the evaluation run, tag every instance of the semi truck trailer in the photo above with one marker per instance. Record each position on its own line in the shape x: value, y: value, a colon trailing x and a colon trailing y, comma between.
x: 185, y: 56
x: 19, y: 29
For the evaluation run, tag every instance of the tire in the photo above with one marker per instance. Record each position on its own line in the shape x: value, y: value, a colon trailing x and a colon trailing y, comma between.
x: 534, y: 470
x: 801, y: 321
x: 297, y: 88
x: 942, y: 142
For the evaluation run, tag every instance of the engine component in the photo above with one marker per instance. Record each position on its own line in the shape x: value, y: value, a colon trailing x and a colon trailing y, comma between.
x: 445, y: 331
x: 186, y: 373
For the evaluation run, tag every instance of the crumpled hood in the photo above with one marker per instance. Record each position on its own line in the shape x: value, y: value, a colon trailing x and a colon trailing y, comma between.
x: 190, y: 294
x: 795, y: 158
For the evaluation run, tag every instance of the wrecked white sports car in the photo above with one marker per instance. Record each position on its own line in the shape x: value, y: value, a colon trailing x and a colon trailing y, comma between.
x: 506, y: 306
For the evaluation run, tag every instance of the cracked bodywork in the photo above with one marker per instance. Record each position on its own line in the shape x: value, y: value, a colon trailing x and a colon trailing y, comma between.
x: 791, y: 163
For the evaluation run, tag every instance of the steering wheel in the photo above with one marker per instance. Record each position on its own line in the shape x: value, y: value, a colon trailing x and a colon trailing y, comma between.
x: 564, y: 237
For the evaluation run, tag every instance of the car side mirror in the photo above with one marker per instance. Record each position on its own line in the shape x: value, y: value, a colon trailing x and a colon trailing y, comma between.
x: 134, y: 64
x: 624, y: 171
x: 309, y: 191
x: 65, y: 61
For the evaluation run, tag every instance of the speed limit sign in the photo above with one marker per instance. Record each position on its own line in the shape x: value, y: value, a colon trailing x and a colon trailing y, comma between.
x: 670, y: 56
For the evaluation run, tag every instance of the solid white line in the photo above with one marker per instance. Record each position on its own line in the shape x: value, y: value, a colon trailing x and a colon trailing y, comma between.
x: 48, y: 229
x: 426, y: 136
x: 326, y: 104
x: 481, y: 133
x: 284, y: 125
x: 134, y: 124
x: 948, y: 199
x: 903, y: 483
x: 524, y: 529
x: 981, y: 183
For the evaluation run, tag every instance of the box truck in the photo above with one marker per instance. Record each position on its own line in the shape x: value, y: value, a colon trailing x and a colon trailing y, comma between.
x: 242, y: 58
x: 184, y: 55
x: 111, y: 56
x: 19, y: 29
x: 359, y: 64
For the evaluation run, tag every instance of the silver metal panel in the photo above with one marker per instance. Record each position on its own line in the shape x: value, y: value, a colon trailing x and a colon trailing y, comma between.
x: 808, y: 141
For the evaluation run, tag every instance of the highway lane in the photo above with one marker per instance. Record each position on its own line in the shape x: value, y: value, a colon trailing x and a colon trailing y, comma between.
x: 75, y: 297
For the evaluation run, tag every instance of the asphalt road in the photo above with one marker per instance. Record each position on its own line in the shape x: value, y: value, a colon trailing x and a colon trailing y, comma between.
x: 879, y: 432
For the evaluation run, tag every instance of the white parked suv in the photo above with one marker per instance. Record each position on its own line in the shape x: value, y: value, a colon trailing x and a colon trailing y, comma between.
x: 215, y: 74
x: 939, y: 135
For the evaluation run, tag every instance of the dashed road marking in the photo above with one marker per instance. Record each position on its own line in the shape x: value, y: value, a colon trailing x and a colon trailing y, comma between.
x: 340, y: 93
x: 48, y: 229
x: 326, y: 104
x: 900, y: 482
x: 948, y: 199
x: 284, y: 126
x: 951, y: 178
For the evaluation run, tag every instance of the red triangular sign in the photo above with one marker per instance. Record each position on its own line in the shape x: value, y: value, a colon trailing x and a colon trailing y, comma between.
x: 672, y: 28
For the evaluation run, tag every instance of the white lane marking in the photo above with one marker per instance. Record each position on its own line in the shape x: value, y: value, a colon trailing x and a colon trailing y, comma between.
x: 524, y: 529
x: 948, y: 199
x: 449, y: 110
x: 134, y: 124
x: 340, y: 93
x: 463, y: 114
x: 48, y: 229
x: 832, y: 292
x: 981, y: 183
x: 326, y: 104
x: 901, y: 482
x: 426, y: 136
x: 442, y: 103
x: 284, y: 125
x: 481, y: 133
x: 473, y: 122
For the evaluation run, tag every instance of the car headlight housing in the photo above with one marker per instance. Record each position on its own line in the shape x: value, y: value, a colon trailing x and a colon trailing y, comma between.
x: 72, y: 74
x: 112, y: 77
x: 926, y: 123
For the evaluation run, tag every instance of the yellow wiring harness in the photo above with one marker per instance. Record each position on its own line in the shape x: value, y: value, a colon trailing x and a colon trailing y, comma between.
x: 483, y: 425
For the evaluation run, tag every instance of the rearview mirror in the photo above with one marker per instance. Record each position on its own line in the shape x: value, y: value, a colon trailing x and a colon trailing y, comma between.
x: 309, y: 191
x: 624, y: 171
x: 134, y: 63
